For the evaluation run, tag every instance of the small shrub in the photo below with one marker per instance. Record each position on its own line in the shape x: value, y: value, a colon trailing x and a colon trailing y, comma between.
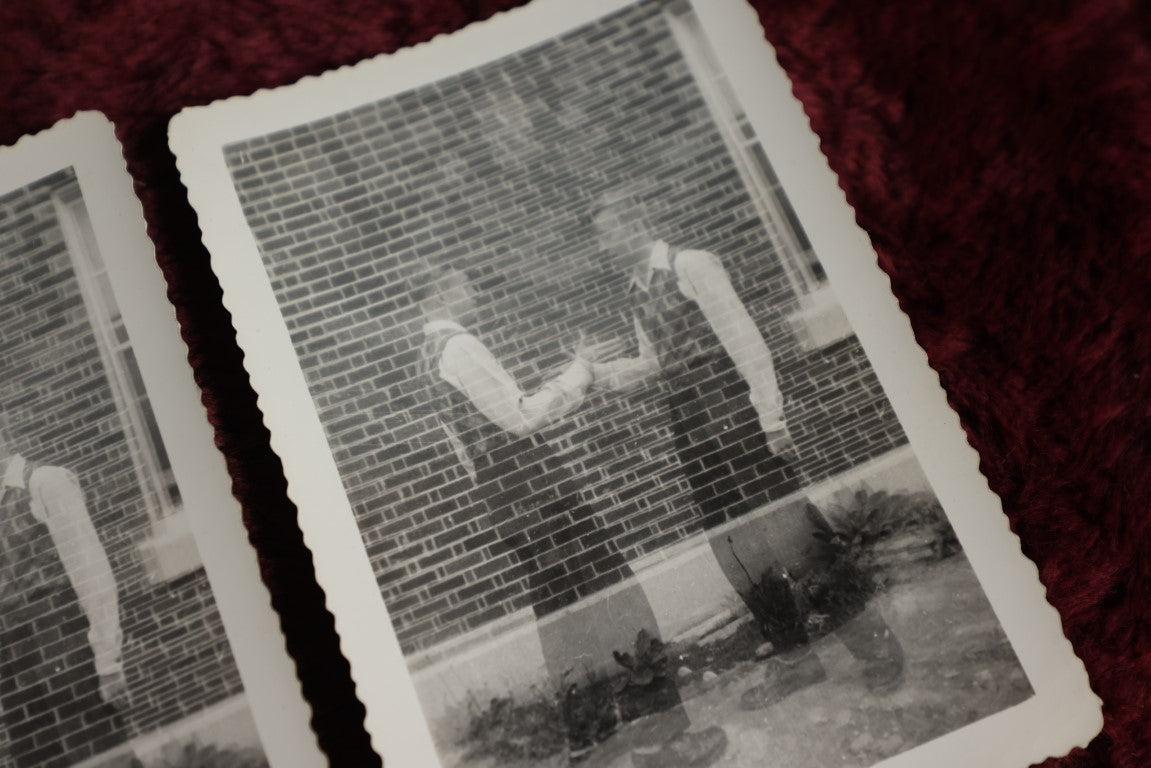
x: 843, y: 576
x: 510, y: 730
x: 790, y: 611
x: 835, y: 593
x: 579, y: 715
x: 590, y: 712
x: 772, y: 600
x: 648, y: 663
x: 645, y: 687
x: 875, y: 515
x: 193, y: 754
x: 944, y: 542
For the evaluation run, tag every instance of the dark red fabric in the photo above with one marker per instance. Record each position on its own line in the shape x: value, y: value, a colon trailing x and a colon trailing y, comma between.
x: 997, y: 151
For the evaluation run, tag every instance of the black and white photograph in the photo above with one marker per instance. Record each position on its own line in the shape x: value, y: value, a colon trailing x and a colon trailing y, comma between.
x: 113, y: 652
x: 628, y: 482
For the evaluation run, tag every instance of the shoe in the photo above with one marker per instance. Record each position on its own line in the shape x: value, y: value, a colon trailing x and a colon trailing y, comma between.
x: 883, y: 676
x: 687, y: 750
x: 784, y: 678
x: 883, y: 673
x: 872, y: 642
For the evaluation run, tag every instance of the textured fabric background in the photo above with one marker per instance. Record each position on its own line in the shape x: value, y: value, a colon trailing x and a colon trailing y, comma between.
x: 997, y: 151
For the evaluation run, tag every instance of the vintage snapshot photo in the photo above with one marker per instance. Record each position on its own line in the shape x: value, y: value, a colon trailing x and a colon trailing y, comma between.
x: 113, y: 649
x: 608, y: 436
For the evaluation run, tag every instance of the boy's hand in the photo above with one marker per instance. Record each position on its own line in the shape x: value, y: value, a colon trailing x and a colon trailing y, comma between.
x: 114, y: 687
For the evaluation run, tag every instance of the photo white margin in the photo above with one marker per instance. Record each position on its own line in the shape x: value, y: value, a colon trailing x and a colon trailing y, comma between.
x: 87, y: 144
x: 1063, y: 714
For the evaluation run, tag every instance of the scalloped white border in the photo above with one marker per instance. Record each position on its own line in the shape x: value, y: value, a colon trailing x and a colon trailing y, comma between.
x: 1063, y: 714
x: 87, y: 143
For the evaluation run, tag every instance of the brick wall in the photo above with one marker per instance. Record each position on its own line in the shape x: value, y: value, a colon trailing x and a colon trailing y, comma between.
x: 494, y: 170
x: 56, y: 391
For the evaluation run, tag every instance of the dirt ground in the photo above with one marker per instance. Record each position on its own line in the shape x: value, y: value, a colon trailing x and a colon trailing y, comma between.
x: 959, y: 669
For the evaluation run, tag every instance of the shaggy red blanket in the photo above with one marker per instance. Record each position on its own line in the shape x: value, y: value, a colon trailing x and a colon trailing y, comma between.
x: 997, y: 151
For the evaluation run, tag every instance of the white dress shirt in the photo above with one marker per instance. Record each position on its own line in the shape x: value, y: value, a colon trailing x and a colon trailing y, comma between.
x: 58, y: 502
x: 701, y: 277
x: 470, y: 367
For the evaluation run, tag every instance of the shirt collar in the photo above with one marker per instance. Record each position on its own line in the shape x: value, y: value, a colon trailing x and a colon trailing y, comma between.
x: 14, y: 472
x: 434, y: 326
x: 659, y: 257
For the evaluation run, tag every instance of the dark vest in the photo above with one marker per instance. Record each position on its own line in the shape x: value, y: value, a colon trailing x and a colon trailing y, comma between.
x: 469, y: 429
x: 28, y: 559
x: 682, y: 336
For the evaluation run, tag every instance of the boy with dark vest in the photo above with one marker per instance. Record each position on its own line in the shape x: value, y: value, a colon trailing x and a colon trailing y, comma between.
x: 727, y: 412
x: 61, y: 678
x: 529, y: 493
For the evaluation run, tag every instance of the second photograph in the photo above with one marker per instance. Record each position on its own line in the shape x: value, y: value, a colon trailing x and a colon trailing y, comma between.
x: 630, y: 487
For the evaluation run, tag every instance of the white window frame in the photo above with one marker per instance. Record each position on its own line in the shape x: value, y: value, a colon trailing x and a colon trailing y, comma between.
x: 819, y: 321
x: 170, y: 550
x: 742, y: 143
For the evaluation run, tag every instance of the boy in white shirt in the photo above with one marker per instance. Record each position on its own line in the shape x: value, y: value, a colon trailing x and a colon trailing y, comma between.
x: 696, y: 335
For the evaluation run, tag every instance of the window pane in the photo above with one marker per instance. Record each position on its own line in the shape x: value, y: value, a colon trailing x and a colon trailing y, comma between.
x: 104, y: 285
x: 764, y: 166
x: 745, y: 127
x: 151, y: 459
x: 814, y: 265
x: 154, y: 442
x: 97, y: 275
